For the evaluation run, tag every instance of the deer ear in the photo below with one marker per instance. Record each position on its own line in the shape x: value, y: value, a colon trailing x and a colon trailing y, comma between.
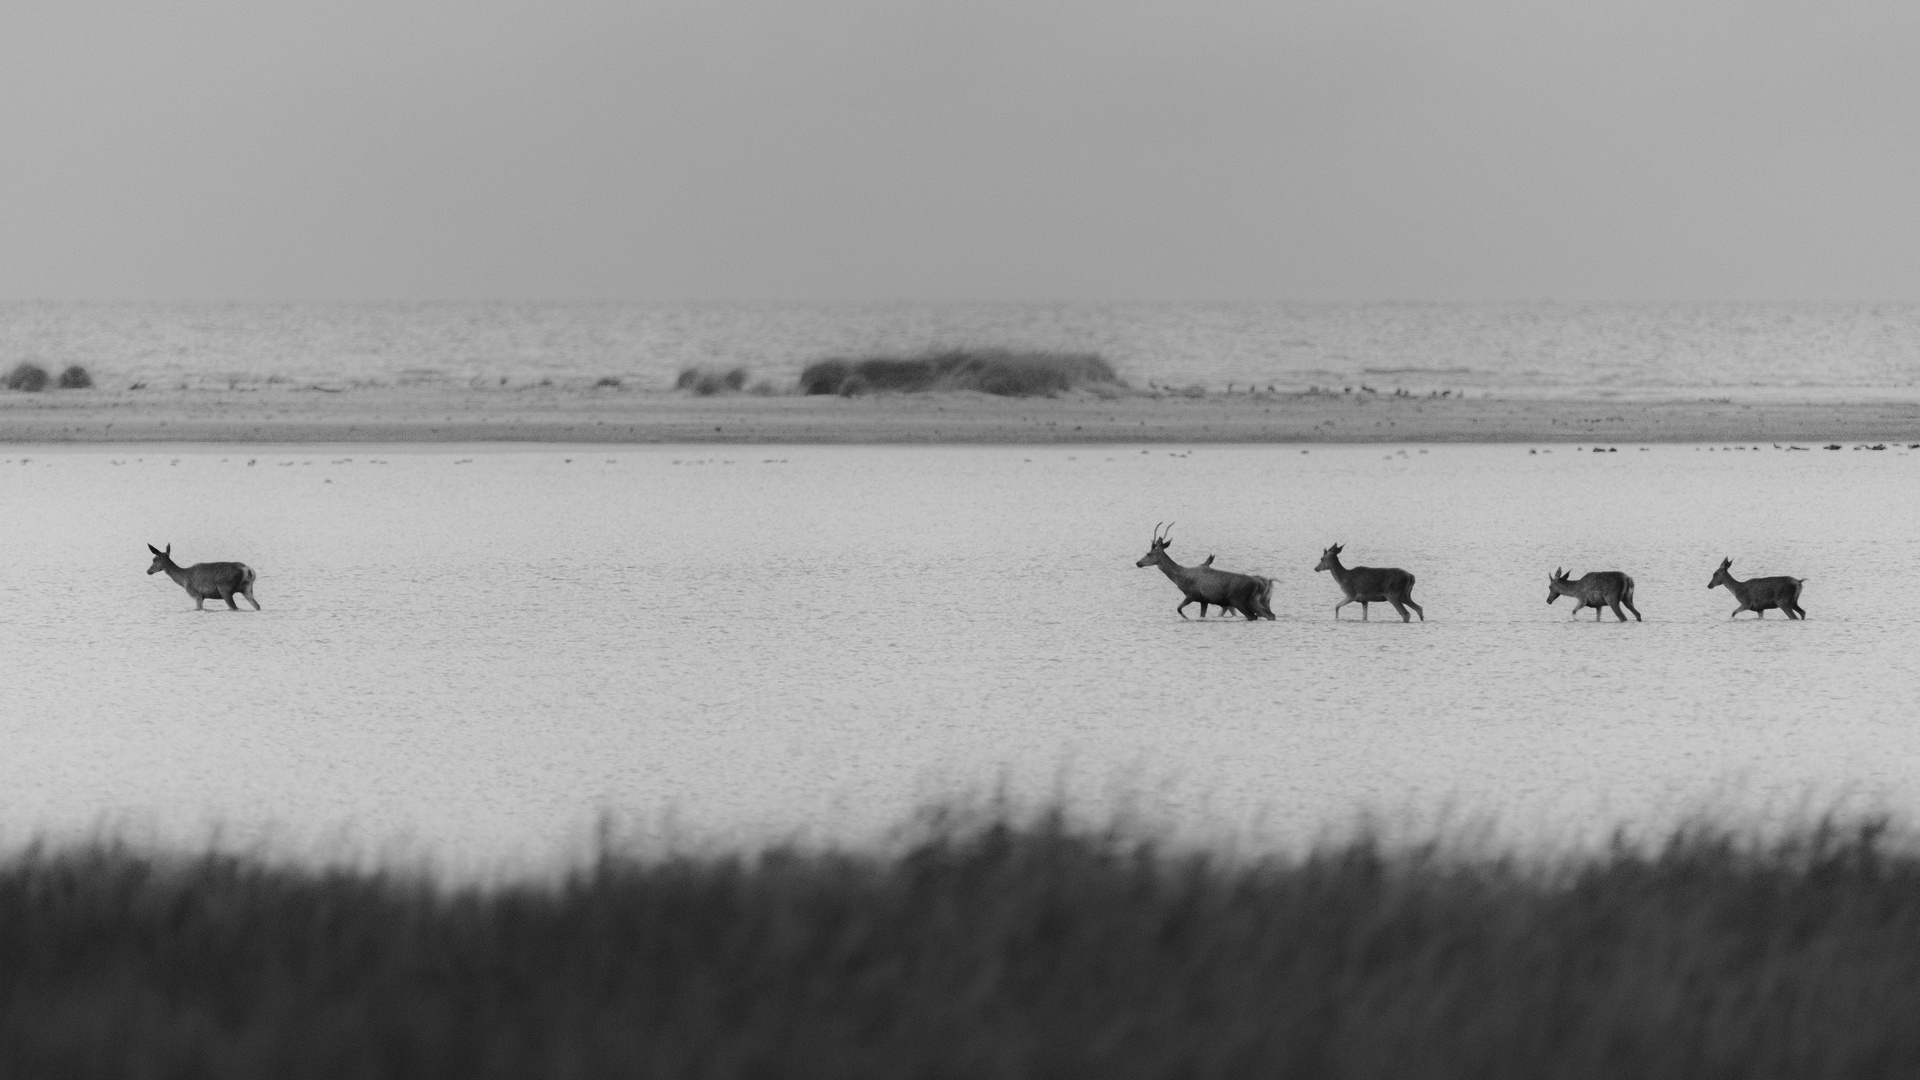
x: 153, y: 549
x: 1166, y: 543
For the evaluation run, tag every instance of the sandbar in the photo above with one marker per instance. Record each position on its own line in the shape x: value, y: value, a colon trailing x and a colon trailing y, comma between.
x: 432, y: 414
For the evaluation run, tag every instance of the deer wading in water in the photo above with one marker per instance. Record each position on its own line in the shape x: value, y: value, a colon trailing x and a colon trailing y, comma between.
x: 1370, y: 585
x: 1759, y: 594
x: 1245, y: 593
x: 1602, y: 588
x: 204, y: 581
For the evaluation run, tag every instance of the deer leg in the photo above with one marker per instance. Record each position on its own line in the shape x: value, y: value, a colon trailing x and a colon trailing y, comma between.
x: 1617, y: 613
x: 227, y: 595
x: 1182, y: 609
x: 249, y: 595
x: 1404, y: 617
x: 1338, y: 606
x: 1363, y: 609
x: 1635, y: 610
x: 1418, y: 610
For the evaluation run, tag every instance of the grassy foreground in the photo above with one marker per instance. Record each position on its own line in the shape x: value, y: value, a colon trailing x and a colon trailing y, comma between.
x: 984, y: 950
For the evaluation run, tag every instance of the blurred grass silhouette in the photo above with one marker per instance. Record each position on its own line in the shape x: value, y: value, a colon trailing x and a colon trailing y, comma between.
x: 985, y: 948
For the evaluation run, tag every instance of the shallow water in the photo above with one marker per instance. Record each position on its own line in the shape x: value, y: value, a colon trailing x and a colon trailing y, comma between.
x: 472, y: 654
x: 1542, y: 348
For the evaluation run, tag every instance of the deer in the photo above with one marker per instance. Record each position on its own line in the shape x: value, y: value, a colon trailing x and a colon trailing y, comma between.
x: 1602, y: 588
x: 1759, y: 594
x: 204, y: 581
x: 1248, y: 594
x: 1370, y: 585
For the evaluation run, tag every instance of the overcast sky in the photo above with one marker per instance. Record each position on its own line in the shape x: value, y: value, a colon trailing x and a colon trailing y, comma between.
x: 1028, y: 149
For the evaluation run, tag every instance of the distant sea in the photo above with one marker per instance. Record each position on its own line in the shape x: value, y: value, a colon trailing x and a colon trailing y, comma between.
x: 1777, y: 351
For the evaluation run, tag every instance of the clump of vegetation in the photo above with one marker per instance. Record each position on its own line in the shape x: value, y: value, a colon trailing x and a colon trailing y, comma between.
x: 608, y: 381
x: 707, y: 381
x: 28, y: 376
x: 986, y: 948
x: 993, y: 371
x: 75, y: 377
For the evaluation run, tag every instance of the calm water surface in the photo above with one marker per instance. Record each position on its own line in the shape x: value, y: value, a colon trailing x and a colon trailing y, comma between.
x: 472, y: 654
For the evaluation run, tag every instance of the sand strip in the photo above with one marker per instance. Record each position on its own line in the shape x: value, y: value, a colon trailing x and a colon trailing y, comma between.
x: 440, y: 414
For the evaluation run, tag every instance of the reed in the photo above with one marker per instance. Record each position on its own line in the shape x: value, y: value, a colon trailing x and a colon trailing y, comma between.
x: 1003, y: 372
x: 987, y: 948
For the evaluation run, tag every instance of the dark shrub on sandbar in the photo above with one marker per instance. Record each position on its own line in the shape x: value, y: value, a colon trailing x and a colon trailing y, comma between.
x: 707, y: 382
x: 28, y: 376
x: 75, y: 377
x: 992, y: 371
x: 984, y: 949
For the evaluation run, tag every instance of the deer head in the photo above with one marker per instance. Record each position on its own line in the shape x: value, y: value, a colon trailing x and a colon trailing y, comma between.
x: 1329, y: 559
x: 1720, y: 576
x: 160, y: 558
x: 1160, y: 544
x: 1554, y: 580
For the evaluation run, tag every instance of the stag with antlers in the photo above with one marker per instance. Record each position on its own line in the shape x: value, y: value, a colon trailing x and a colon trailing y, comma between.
x: 1248, y: 594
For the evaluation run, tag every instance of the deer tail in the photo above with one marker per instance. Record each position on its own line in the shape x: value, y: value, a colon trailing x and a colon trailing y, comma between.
x: 246, y: 577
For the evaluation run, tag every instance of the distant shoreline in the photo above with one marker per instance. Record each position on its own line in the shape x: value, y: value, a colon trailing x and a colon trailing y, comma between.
x: 622, y: 416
